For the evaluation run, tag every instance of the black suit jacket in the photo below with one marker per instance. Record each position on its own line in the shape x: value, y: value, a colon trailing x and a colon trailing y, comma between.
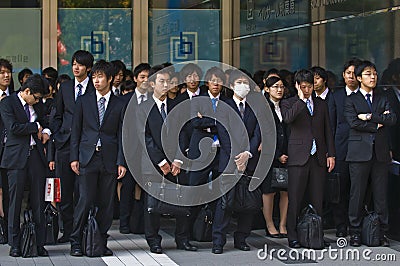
x: 395, y: 129
x: 61, y: 125
x: 340, y: 126
x: 304, y: 127
x: 19, y: 132
x: 363, y: 134
x: 86, y: 131
x: 239, y: 143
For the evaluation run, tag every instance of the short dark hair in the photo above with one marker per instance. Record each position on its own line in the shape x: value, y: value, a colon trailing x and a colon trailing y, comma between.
x: 271, y: 71
x: 236, y: 74
x: 157, y: 69
x: 61, y: 78
x: 141, y: 67
x: 304, y: 75
x: 128, y: 85
x: 189, y: 69
x: 5, y: 63
x: 215, y: 71
x: 319, y: 71
x: 272, y: 80
x: 83, y: 57
x: 105, y: 67
x: 363, y: 65
x: 118, y: 66
x: 22, y: 73
x: 352, y: 62
x: 50, y: 72
x: 36, y: 84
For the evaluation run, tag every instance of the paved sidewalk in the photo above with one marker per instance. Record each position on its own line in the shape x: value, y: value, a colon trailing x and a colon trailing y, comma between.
x: 133, y: 250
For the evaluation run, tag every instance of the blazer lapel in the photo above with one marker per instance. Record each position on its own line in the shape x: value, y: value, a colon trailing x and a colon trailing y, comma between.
x: 109, y: 108
x: 20, y: 109
x: 363, y: 101
x: 375, y: 101
x: 92, y: 105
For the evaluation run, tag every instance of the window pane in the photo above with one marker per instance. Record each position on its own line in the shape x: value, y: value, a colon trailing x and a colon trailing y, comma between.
x: 97, y: 3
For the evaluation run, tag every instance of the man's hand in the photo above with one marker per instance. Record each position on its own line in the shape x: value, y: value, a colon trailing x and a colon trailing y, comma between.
x: 283, y: 158
x: 45, y: 138
x: 363, y: 117
x: 241, y: 160
x: 52, y: 165
x: 330, y: 163
x: 39, y: 134
x: 299, y: 92
x: 166, y: 168
x: 121, y: 171
x: 379, y: 126
x: 75, y: 167
x: 259, y: 147
x: 386, y: 112
x: 199, y: 115
x: 176, y: 168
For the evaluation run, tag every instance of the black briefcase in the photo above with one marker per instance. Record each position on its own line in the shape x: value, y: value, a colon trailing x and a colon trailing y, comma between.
x: 3, y: 231
x: 136, y: 220
x: 93, y: 243
x: 332, y: 187
x: 309, y: 229
x: 51, y: 217
x: 28, y: 236
x: 202, y: 226
x: 371, y: 229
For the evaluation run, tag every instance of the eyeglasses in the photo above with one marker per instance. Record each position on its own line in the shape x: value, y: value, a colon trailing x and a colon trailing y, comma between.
x: 218, y: 81
x: 37, y: 97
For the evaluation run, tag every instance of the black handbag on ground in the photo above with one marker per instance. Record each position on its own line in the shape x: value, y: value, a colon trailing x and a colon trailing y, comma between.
x: 28, y: 236
x: 280, y: 178
x: 3, y: 231
x: 332, y: 187
x: 51, y: 218
x: 93, y: 243
x: 309, y: 229
x: 171, y: 192
x: 371, y: 229
x: 202, y: 226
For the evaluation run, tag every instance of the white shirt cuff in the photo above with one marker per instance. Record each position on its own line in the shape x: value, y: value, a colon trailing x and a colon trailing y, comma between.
x: 160, y: 164
x: 178, y: 161
x: 250, y: 155
x: 46, y: 131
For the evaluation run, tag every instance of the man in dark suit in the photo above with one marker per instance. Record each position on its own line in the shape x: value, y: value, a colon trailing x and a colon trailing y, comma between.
x: 82, y: 62
x: 5, y: 81
x: 96, y: 154
x: 128, y: 188
x: 310, y: 149
x: 321, y: 89
x: 24, y: 158
x: 340, y: 129
x: 157, y: 107
x: 369, y: 115
x: 236, y: 155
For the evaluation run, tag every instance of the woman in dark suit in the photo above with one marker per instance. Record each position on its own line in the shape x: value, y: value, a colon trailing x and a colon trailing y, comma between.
x: 275, y: 91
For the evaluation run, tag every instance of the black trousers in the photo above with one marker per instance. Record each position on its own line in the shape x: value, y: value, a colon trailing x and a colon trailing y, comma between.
x: 127, y: 197
x: 341, y: 209
x: 67, y: 178
x: 96, y: 188
x: 360, y: 173
x: 221, y: 222
x: 34, y: 173
x: 311, y: 178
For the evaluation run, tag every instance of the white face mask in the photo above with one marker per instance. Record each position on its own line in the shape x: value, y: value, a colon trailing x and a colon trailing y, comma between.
x: 241, y: 90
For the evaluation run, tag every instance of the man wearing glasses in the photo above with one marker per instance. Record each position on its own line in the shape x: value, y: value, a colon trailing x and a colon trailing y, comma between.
x: 369, y: 115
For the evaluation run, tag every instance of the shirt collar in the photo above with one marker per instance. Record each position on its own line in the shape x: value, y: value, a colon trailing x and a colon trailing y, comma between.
x: 275, y: 103
x: 107, y: 96
x: 158, y: 102
x: 348, y: 91
x: 7, y: 91
x: 237, y: 101
x: 212, y: 97
x: 197, y: 92
x: 21, y: 99
x: 84, y: 82
x: 365, y: 93
x: 324, y: 94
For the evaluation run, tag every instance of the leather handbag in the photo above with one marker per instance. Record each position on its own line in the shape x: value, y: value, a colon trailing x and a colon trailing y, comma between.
x: 93, y: 243
x: 51, y: 218
x: 3, y: 231
x: 28, y: 236
x: 309, y: 229
x: 171, y: 192
x: 371, y: 229
x: 280, y: 177
x: 332, y: 187
x: 202, y: 226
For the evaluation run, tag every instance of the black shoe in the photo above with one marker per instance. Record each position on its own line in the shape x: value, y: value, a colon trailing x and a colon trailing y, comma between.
x: 156, y: 249
x: 63, y: 239
x: 186, y: 246
x: 355, y: 241
x: 294, y: 244
x: 341, y: 232
x: 268, y: 234
x: 42, y: 252
x: 124, y: 230
x: 242, y: 246
x: 15, y: 252
x: 217, y: 249
x: 385, y: 241
x: 107, y: 252
x: 283, y: 235
x: 76, y: 251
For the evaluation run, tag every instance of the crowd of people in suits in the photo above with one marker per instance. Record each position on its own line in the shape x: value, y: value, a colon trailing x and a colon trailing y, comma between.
x: 72, y: 129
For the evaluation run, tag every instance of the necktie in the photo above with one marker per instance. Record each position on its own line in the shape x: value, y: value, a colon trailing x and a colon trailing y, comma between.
x: 352, y: 93
x: 369, y: 101
x: 102, y: 109
x: 27, y: 112
x: 314, y: 144
x: 241, y: 109
x: 4, y: 94
x: 308, y: 102
x: 116, y: 93
x: 214, y: 103
x: 79, y: 90
x: 163, y: 113
x: 141, y: 97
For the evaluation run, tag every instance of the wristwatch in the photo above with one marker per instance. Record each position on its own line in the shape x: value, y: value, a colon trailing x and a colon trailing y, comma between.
x: 368, y: 116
